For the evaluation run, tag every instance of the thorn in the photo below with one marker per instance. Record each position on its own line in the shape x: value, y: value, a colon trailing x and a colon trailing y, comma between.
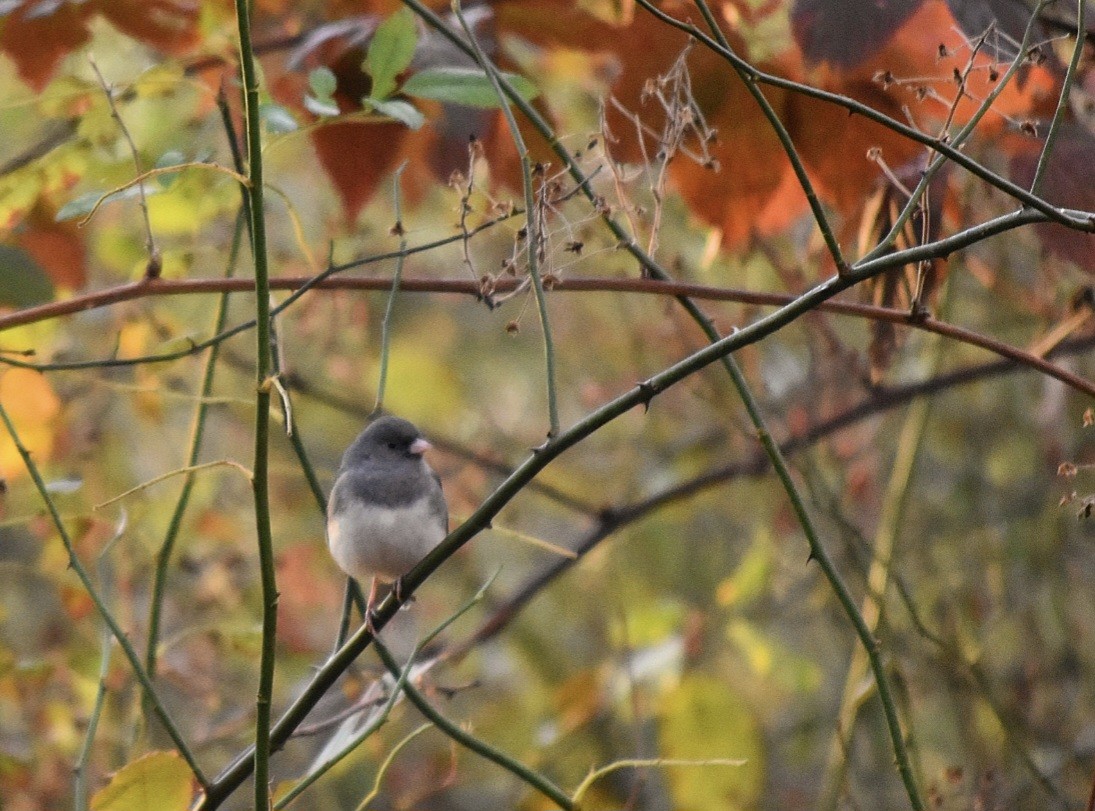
x: 154, y: 268
x: 919, y: 312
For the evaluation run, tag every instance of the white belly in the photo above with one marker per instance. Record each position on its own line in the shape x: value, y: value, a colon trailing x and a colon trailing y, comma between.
x: 382, y: 542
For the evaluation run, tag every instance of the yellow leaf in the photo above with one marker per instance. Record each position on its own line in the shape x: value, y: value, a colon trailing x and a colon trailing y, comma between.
x: 752, y: 575
x: 159, y: 780
x: 33, y: 407
x: 159, y: 80
x: 704, y: 718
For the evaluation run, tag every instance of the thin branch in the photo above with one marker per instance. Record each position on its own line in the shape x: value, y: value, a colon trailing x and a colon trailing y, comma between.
x: 649, y: 763
x: 785, y: 140
x: 502, y: 495
x: 533, y: 220
x: 187, y: 471
x: 954, y: 154
x: 1062, y: 100
x: 890, y: 521
x: 386, y: 764
x: 85, y: 580
x: 386, y: 325
x: 378, y: 720
x: 639, y: 286
x: 154, y: 260
x: 957, y: 141
x: 197, y: 432
x: 80, y: 781
x: 617, y: 517
x: 844, y: 596
x: 477, y: 745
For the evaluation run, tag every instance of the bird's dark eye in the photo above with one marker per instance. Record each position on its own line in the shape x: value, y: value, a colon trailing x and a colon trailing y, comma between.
x: 391, y: 446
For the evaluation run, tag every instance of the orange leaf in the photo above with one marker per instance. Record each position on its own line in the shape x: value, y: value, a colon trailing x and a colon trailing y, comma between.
x: 909, y: 72
x: 302, y: 606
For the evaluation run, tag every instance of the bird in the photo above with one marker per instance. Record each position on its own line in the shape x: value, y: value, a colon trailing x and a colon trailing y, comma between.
x: 387, y: 509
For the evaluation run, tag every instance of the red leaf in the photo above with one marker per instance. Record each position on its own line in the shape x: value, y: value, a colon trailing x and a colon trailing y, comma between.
x: 38, y: 43
x: 170, y: 25
x: 1069, y: 181
x: 356, y: 156
x: 57, y: 247
x: 846, y: 33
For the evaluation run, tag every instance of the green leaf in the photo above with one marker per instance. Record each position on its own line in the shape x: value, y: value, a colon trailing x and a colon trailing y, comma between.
x: 82, y: 205
x: 391, y: 51
x: 401, y: 111
x: 172, y: 157
x: 469, y: 86
x: 322, y: 82
x: 23, y: 283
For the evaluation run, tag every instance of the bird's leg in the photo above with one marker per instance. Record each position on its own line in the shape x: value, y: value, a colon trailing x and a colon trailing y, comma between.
x: 370, y: 603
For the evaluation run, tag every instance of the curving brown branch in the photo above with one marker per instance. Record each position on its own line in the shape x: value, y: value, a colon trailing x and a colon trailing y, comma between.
x: 165, y: 287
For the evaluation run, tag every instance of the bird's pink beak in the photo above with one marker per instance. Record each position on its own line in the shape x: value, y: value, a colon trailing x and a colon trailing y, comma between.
x: 419, y: 446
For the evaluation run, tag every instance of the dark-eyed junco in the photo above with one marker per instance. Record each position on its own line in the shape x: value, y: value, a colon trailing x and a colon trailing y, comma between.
x: 386, y: 510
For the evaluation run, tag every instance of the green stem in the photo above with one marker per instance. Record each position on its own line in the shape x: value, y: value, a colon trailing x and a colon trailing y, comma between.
x: 380, y: 718
x: 533, y: 225
x: 640, y: 395
x: 263, y: 367
x: 79, y: 788
x: 894, y: 503
x: 110, y: 363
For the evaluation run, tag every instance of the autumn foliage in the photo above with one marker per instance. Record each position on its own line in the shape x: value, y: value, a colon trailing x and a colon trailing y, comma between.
x: 871, y: 222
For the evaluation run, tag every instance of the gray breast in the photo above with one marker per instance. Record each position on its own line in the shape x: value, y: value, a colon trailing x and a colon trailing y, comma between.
x: 384, y: 542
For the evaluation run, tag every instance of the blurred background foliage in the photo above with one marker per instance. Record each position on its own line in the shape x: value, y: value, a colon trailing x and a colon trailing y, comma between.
x: 698, y: 628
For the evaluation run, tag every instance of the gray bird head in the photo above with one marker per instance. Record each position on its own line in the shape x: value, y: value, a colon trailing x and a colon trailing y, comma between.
x: 389, y: 439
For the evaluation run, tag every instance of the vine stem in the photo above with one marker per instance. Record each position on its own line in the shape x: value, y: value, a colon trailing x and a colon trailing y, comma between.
x: 1062, y: 100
